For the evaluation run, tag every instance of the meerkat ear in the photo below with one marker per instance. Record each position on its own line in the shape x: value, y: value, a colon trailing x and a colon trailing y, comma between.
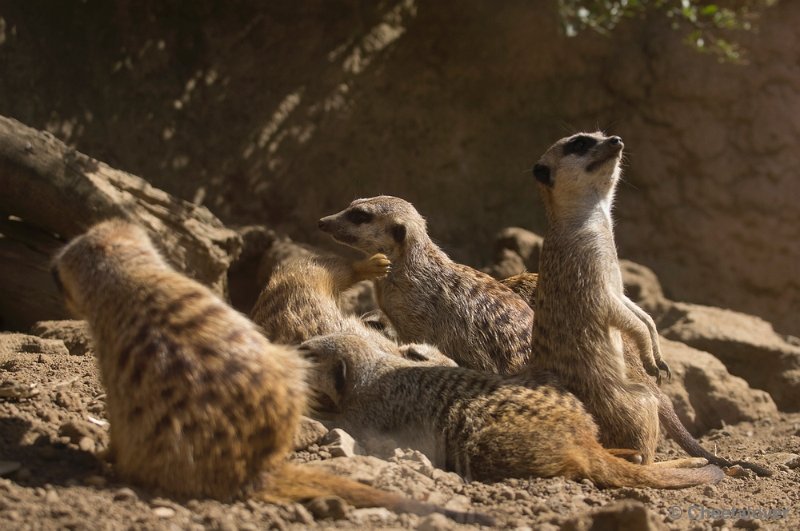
x: 413, y: 354
x: 542, y: 174
x: 399, y: 232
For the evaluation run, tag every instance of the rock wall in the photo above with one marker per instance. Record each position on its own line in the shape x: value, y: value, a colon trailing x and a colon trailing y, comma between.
x: 281, y: 112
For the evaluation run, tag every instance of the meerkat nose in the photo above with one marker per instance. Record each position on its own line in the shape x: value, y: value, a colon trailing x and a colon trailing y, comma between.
x: 323, y: 224
x: 615, y: 140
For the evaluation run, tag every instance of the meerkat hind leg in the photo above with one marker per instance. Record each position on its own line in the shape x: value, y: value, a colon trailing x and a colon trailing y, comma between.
x: 651, y: 327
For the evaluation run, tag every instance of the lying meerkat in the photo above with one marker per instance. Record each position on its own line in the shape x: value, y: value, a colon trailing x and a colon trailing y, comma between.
x: 200, y: 404
x: 483, y: 426
x: 470, y: 316
x: 524, y: 285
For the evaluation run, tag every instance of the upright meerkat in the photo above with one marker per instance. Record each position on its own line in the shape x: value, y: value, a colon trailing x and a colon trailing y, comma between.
x: 524, y: 285
x: 481, y: 425
x: 470, y: 316
x: 200, y: 404
x: 581, y: 309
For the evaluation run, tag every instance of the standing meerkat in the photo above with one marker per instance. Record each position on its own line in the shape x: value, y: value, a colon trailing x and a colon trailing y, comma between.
x: 200, y: 404
x: 524, y: 285
x: 470, y: 316
x: 581, y: 309
x: 483, y: 426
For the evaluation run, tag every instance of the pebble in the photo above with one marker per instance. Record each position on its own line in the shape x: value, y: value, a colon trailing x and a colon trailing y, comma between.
x: 87, y: 444
x: 339, y: 443
x: 51, y: 497
x: 125, y: 494
x: 328, y: 507
x: 164, y: 512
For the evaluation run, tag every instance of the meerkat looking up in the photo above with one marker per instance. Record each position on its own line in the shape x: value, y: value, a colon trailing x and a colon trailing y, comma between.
x: 200, y: 404
x: 483, y: 426
x: 581, y: 309
x: 428, y: 298
x: 524, y: 285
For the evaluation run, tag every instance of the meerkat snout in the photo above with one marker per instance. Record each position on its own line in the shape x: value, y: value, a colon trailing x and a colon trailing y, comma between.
x: 615, y: 140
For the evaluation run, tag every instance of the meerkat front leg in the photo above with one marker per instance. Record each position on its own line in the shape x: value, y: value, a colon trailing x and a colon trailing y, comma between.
x: 651, y: 328
x: 376, y: 266
x: 629, y: 323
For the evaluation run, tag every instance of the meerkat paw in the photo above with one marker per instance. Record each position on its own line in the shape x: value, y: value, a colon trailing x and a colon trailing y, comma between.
x: 376, y: 266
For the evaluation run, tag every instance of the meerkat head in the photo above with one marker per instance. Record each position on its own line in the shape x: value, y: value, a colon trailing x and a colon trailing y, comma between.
x: 81, y: 266
x: 341, y: 363
x: 382, y: 224
x: 579, y: 168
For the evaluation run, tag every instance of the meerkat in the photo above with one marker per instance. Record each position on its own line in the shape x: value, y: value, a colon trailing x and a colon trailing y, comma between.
x: 301, y: 298
x: 200, y: 404
x: 524, y: 285
x: 467, y: 314
x: 581, y: 309
x: 483, y: 426
x: 300, y: 301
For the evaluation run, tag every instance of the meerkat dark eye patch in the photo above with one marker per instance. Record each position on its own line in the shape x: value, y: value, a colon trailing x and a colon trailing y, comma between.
x: 542, y: 174
x: 579, y: 145
x: 358, y: 216
x: 399, y: 233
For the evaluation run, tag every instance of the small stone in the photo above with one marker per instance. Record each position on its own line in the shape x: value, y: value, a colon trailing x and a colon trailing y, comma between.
x: 68, y: 400
x: 793, y: 463
x: 125, y: 494
x: 340, y: 444
x: 86, y: 444
x: 710, y: 491
x: 74, y: 431
x: 435, y: 522
x: 164, y: 512
x: 51, y: 497
x: 328, y: 507
x: 747, y: 523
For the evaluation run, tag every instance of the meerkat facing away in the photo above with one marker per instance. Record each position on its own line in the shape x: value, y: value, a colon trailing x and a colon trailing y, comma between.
x: 200, y: 404
x: 481, y: 425
x: 428, y: 298
x: 581, y: 309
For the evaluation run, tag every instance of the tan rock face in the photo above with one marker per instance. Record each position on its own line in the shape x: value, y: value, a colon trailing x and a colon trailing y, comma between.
x: 706, y: 395
x: 747, y: 345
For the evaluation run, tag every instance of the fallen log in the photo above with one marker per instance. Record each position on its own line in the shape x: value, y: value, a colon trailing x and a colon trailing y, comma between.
x: 46, y: 185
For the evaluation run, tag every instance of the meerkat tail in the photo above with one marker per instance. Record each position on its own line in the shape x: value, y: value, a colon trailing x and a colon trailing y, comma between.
x: 678, y: 432
x: 610, y: 471
x: 303, y: 482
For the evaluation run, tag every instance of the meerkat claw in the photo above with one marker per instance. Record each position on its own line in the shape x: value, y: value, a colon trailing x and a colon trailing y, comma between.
x: 376, y: 266
x: 663, y: 366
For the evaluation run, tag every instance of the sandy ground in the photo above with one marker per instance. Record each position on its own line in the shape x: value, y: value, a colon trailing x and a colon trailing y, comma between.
x: 53, y: 433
